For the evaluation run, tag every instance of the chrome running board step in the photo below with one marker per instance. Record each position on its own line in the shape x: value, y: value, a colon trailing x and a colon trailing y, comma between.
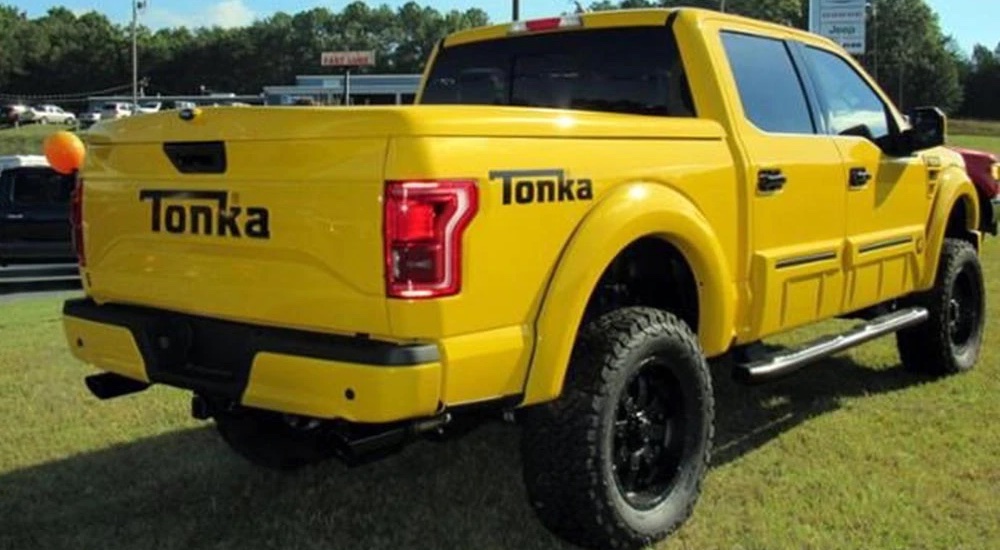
x: 787, y: 362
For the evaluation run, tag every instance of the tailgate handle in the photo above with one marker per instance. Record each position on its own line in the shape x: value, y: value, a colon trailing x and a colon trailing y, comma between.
x: 197, y: 157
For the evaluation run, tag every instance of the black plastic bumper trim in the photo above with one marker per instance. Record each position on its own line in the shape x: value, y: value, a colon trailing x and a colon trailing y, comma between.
x: 214, y: 357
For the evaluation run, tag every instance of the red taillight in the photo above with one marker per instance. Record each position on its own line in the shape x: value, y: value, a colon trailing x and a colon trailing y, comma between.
x: 76, y: 220
x: 424, y: 223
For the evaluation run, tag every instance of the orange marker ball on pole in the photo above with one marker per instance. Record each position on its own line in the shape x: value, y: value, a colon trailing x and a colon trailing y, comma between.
x: 64, y: 151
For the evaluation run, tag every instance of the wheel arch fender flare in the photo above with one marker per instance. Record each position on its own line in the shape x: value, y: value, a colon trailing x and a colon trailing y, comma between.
x: 954, y: 187
x: 630, y: 212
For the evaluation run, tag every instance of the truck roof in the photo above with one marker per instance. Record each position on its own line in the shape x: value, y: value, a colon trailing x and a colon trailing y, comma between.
x: 18, y: 161
x: 626, y: 18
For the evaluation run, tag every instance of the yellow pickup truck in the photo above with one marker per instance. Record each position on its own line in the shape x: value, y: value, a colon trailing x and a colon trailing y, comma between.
x: 575, y: 216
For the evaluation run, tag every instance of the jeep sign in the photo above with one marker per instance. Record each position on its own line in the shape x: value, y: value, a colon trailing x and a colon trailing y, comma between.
x: 842, y: 21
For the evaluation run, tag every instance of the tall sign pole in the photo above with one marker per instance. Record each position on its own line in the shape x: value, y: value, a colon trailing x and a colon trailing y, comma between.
x: 136, y: 6
x: 515, y: 8
x: 348, y: 60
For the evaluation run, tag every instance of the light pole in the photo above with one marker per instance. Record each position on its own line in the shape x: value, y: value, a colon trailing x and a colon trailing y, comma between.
x: 516, y: 8
x: 136, y: 6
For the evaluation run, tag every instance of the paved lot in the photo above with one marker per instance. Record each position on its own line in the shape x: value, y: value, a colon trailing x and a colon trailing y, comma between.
x: 20, y: 282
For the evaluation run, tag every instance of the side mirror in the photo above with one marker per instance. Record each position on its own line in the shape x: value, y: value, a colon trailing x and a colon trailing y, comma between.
x: 927, y: 129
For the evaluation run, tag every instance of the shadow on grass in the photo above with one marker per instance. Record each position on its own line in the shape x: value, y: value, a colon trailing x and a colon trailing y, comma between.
x: 185, y: 489
x: 749, y: 417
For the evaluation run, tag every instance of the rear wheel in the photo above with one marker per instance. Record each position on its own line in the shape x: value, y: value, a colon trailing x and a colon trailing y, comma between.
x: 950, y: 340
x: 617, y: 460
x: 273, y: 440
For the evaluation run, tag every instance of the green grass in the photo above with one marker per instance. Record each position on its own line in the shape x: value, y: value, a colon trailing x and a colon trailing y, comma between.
x: 982, y: 143
x: 850, y: 453
x: 970, y: 127
x: 26, y: 140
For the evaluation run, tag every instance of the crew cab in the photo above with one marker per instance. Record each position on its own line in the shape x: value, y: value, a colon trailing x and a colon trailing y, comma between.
x: 34, y: 212
x: 575, y: 216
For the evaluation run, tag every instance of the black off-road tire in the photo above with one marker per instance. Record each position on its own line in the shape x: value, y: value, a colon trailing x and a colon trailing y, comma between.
x: 572, y: 447
x: 950, y: 340
x: 266, y: 439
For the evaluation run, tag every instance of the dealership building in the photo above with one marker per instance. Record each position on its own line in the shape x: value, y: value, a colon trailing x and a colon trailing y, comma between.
x: 365, y: 89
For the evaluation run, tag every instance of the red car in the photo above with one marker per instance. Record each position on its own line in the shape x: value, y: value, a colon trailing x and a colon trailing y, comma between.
x: 984, y: 170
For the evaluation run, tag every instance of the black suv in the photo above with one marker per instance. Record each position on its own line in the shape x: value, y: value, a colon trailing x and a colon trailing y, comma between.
x: 34, y: 212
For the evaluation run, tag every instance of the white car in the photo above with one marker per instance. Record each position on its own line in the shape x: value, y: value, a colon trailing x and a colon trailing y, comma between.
x: 90, y: 118
x: 48, y: 114
x: 115, y: 110
x: 150, y: 107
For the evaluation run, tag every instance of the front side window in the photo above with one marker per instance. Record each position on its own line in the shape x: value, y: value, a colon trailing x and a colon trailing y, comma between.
x: 634, y: 70
x: 770, y: 88
x: 848, y: 102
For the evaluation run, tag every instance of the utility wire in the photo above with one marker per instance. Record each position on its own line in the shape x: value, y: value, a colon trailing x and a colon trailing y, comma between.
x: 78, y: 95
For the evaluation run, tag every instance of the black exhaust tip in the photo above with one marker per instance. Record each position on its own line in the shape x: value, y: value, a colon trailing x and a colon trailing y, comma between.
x: 109, y: 384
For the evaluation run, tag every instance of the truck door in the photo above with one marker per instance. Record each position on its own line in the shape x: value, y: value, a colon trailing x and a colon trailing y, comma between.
x: 35, y: 214
x: 888, y: 197
x: 794, y: 188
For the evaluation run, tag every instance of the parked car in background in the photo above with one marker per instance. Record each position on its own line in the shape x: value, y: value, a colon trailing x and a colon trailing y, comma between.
x: 150, y: 107
x: 11, y: 113
x: 984, y: 171
x: 113, y: 110
x: 47, y: 114
x: 34, y: 211
x: 90, y: 118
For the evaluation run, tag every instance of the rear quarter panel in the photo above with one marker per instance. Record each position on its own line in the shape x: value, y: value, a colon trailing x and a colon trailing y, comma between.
x: 512, y: 250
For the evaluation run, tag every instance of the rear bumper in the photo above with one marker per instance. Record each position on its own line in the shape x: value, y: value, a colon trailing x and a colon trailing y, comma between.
x: 312, y: 374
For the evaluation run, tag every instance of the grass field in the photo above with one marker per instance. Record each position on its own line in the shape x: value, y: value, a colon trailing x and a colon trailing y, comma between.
x: 850, y: 453
x: 26, y: 140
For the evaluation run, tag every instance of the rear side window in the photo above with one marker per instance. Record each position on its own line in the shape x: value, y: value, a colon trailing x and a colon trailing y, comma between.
x: 36, y: 186
x: 633, y: 70
x: 770, y: 88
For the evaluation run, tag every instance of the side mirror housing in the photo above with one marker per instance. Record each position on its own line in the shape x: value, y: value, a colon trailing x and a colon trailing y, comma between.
x: 927, y: 129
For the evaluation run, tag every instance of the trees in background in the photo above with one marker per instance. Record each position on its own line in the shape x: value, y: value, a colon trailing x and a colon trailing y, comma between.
x: 63, y: 53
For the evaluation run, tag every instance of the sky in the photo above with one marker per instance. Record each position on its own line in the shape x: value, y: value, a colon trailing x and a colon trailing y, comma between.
x: 969, y: 21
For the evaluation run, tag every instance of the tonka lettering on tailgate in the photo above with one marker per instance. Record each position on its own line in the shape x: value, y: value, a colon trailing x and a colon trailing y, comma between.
x: 178, y: 211
x: 545, y: 185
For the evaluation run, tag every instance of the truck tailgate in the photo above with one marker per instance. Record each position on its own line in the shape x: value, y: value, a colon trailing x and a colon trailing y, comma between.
x: 284, y: 230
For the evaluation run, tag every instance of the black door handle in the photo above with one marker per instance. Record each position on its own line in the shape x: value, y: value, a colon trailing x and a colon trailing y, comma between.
x: 770, y: 180
x: 859, y: 177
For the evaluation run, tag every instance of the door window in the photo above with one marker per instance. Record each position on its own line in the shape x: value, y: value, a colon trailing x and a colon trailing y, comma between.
x: 770, y: 88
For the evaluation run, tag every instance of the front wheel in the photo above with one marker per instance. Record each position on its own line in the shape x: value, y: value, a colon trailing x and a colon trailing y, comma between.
x: 950, y: 340
x: 617, y: 460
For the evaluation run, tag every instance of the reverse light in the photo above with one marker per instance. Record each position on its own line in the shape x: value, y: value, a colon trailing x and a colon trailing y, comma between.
x: 423, y: 223
x: 547, y: 24
x: 76, y: 220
